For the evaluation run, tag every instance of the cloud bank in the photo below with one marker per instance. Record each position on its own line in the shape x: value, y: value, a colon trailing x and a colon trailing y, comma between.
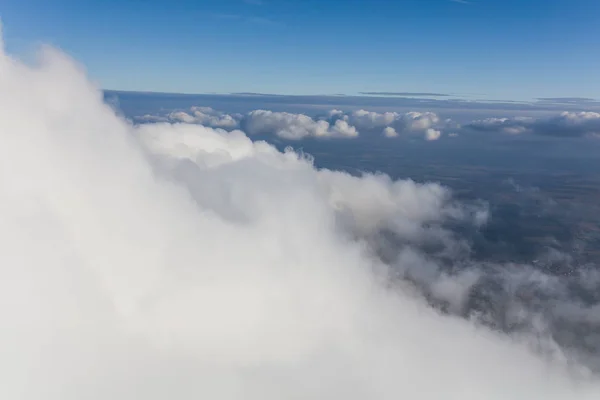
x: 293, y: 126
x: 392, y: 124
x: 179, y: 261
x: 340, y: 124
x: 566, y: 124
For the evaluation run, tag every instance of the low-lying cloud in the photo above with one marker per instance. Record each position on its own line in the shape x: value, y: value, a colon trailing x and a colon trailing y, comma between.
x: 408, y: 123
x: 340, y: 124
x: 180, y: 261
x: 293, y: 126
x: 566, y: 124
x: 206, y: 116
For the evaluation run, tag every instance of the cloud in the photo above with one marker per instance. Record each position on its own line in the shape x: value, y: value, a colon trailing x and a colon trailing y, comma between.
x: 389, y: 132
x: 408, y: 94
x: 432, y: 134
x: 208, y: 117
x: 205, y: 116
x: 513, y: 126
x: 288, y: 126
x: 179, y: 261
x: 566, y: 124
x: 295, y: 126
x: 461, y: 1
x: 413, y: 122
x: 292, y: 126
x: 567, y: 100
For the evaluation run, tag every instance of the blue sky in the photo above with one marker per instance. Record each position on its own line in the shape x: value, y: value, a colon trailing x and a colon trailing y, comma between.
x: 501, y: 49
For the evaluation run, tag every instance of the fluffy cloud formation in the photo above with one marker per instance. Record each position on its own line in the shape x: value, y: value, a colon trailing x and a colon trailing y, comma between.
x: 205, y: 116
x: 295, y: 126
x: 292, y: 126
x: 285, y: 125
x: 567, y: 124
x: 389, y: 132
x: 392, y: 124
x: 178, y: 261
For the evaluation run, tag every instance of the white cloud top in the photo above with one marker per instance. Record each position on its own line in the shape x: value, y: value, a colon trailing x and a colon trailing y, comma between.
x: 566, y: 124
x: 292, y: 126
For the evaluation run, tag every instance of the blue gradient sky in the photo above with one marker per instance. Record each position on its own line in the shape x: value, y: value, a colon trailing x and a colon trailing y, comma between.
x: 502, y: 49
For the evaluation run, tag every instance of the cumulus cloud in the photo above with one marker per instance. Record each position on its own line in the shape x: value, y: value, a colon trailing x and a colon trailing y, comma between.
x: 292, y: 126
x: 566, y: 124
x: 408, y: 123
x: 206, y: 116
x: 432, y: 134
x: 286, y: 125
x: 180, y: 261
x: 389, y: 132
x: 295, y: 126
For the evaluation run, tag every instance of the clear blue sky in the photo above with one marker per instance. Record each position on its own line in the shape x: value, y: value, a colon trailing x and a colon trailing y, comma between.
x: 505, y: 49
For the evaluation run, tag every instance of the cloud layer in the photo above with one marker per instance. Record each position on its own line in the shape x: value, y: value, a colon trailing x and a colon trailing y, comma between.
x: 392, y: 124
x: 566, y: 124
x: 179, y: 261
x: 295, y: 126
x: 292, y: 126
x: 340, y: 124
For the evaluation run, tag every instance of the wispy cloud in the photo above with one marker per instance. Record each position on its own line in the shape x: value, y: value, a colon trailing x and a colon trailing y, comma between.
x: 462, y: 1
x: 567, y: 100
x: 409, y: 94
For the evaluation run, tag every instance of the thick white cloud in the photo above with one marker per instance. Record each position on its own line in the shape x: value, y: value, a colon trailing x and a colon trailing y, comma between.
x: 432, y: 134
x: 389, y: 132
x: 292, y: 126
x: 392, y: 124
x: 178, y: 261
x: 206, y: 116
x: 295, y: 126
x: 567, y: 124
x: 513, y: 126
x: 289, y: 126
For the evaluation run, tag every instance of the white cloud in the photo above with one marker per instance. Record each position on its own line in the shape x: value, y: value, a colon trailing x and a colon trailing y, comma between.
x: 566, y: 124
x: 148, y: 118
x: 206, y: 116
x: 292, y: 126
x: 407, y: 123
x: 389, y: 132
x: 513, y: 126
x: 295, y: 126
x: 432, y: 134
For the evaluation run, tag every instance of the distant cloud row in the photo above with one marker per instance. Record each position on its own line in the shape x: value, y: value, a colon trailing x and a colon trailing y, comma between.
x: 340, y: 124
x: 292, y: 126
x: 566, y: 124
